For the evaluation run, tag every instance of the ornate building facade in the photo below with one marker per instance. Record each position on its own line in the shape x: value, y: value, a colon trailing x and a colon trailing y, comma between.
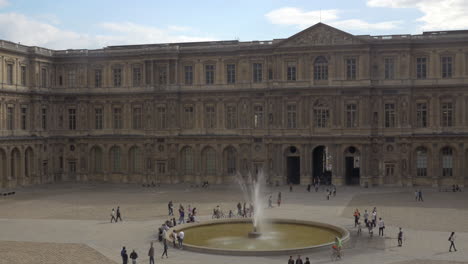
x: 369, y: 110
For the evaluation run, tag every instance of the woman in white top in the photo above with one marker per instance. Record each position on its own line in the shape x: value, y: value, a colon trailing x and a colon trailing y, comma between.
x: 452, y: 242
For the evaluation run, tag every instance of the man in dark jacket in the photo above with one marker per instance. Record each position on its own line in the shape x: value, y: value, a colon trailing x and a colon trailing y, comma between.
x: 298, y: 260
x: 118, y: 215
x: 124, y: 255
x: 133, y: 256
x: 291, y: 260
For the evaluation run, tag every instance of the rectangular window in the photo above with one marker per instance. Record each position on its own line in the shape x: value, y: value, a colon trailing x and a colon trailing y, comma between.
x: 72, y: 167
x: 71, y: 78
x: 351, y: 115
x: 162, y: 75
x: 351, y: 69
x: 188, y: 75
x: 148, y: 70
x: 23, y: 75
x: 447, y: 114
x: 10, y: 118
x: 421, y: 68
x: 421, y: 115
x: 231, y: 117
x: 10, y: 74
x: 136, y: 118
x: 117, y: 76
x: 447, y: 165
x: 231, y: 73
x: 72, y: 119
x: 44, y: 77
x: 209, y: 74
x: 117, y: 116
x: 24, y: 118
x: 98, y: 117
x: 291, y: 116
x: 291, y: 71
x: 270, y: 74
x: 389, y: 115
x: 257, y: 72
x: 258, y: 116
x: 188, y: 116
x: 421, y: 165
x: 210, y: 116
x: 389, y: 169
x: 161, y: 167
x: 44, y: 119
x: 321, y: 115
x: 389, y: 68
x: 136, y: 76
x: 161, y: 117
x: 446, y: 67
x: 97, y: 78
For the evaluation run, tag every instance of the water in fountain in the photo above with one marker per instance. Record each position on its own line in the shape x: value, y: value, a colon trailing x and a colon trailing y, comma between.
x: 252, y: 190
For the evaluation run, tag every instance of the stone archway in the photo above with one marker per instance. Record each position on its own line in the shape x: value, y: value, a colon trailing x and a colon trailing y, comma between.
x: 293, y: 165
x: 352, y: 165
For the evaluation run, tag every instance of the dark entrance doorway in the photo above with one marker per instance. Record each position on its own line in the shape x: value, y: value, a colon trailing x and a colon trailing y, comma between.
x: 319, y: 165
x: 294, y: 170
x: 352, y: 172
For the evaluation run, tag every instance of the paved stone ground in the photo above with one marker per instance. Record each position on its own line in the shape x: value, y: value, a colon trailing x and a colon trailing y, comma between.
x: 79, y: 214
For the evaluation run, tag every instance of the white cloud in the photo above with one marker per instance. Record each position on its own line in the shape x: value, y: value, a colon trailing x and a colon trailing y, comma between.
x: 302, y: 19
x: 4, y: 3
x: 438, y: 14
x: 178, y: 28
x: 19, y: 28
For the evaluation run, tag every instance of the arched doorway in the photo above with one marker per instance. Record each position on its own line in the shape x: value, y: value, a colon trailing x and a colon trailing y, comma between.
x: 352, y: 165
x: 293, y: 165
x: 320, y: 165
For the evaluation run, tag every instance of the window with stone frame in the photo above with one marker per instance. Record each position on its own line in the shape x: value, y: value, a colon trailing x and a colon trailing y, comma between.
x: 447, y: 162
x: 321, y: 116
x: 320, y: 68
x: 98, y: 118
x: 162, y: 74
x: 161, y: 122
x: 24, y: 117
x: 291, y: 118
x: 291, y: 71
x: 231, y: 73
x: 421, y: 115
x: 447, y: 116
x: 72, y: 118
x: 421, y: 68
x: 231, y: 117
x: 351, y: 115
x: 389, y: 68
x: 447, y: 66
x: 135, y: 164
x: 259, y: 121
x: 421, y: 162
x: 117, y: 117
x: 71, y: 78
x: 389, y: 169
x: 97, y: 78
x: 210, y: 116
x: 209, y: 74
x: 96, y: 159
x: 117, y: 77
x: 23, y: 75
x: 44, y: 118
x: 351, y: 68
x: 188, y: 73
x: 210, y: 161
x: 9, y: 74
x: 257, y: 72
x: 188, y: 116
x: 136, y: 117
x: 115, y: 157
x: 44, y: 77
x: 389, y: 115
x: 136, y: 76
x: 187, y: 160
x: 161, y: 167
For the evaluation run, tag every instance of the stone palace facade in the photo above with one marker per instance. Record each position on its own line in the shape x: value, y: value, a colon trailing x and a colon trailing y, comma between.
x: 368, y: 110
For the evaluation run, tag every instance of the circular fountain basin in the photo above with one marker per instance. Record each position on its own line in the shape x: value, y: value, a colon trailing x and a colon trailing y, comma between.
x: 277, y: 237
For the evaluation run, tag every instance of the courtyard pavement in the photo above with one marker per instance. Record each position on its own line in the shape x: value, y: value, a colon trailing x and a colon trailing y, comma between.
x: 70, y: 223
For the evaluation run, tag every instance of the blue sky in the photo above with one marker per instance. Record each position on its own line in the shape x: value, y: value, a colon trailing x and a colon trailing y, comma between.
x: 94, y: 24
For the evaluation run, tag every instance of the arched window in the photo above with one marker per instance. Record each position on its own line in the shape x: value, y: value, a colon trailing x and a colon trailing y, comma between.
x: 421, y: 162
x: 96, y: 159
x: 134, y: 159
x: 115, y: 159
x: 320, y: 68
x: 15, y: 163
x: 209, y: 156
x: 447, y: 162
x: 187, y: 160
x: 28, y: 162
x: 231, y: 162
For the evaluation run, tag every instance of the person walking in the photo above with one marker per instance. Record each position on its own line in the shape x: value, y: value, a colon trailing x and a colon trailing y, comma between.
x: 118, y: 215
x: 381, y: 227
x: 299, y: 260
x: 151, y: 254
x: 452, y: 242
x: 181, y: 215
x: 374, y: 217
x: 357, y: 215
x: 359, y: 228
x: 279, y: 199
x: 123, y: 254
x: 290, y: 188
x: 416, y: 195
x: 366, y: 217
x: 113, y: 216
x: 165, y: 248
x: 420, y: 196
x: 134, y: 257
x: 180, y: 238
x: 400, y: 238
x: 291, y: 260
x: 308, y: 187
x: 170, y: 208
